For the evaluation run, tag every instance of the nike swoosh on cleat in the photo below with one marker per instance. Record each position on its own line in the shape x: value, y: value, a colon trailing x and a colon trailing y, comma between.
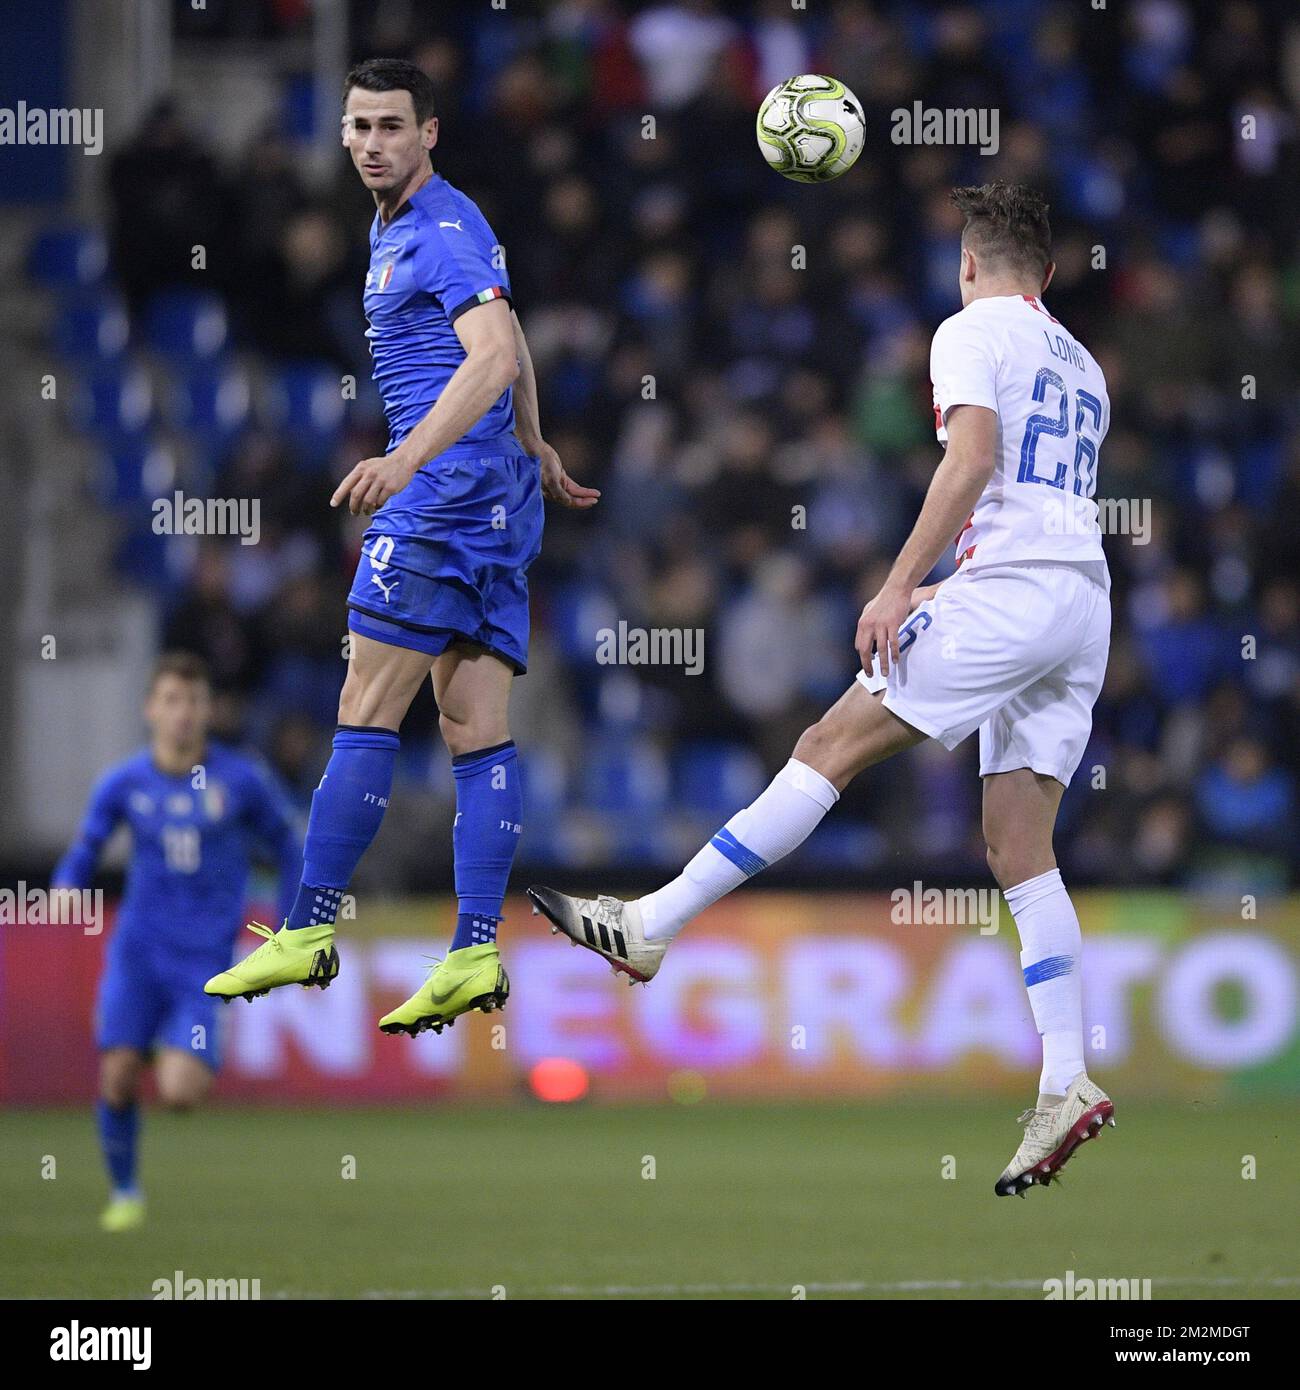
x: 443, y: 998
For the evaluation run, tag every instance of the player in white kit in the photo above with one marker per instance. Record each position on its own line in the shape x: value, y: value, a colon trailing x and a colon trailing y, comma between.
x: 1013, y: 644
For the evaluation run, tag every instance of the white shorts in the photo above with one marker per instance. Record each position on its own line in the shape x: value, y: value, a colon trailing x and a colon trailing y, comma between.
x: 1016, y: 651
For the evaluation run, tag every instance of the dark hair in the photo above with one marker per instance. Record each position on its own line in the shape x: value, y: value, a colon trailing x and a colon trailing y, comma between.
x: 1007, y: 223
x: 188, y: 666
x: 393, y: 75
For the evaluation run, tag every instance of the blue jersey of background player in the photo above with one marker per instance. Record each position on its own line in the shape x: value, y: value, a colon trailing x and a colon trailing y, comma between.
x: 440, y: 591
x: 197, y: 811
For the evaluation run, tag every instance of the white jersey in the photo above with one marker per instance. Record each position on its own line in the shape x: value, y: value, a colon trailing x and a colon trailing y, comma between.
x: 1009, y: 354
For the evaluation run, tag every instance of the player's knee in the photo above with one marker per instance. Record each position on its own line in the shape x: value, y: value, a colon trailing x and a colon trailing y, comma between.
x: 830, y: 747
x: 377, y: 695
x: 118, y: 1092
x: 180, y: 1094
x: 995, y: 863
x: 466, y: 734
x: 814, y: 743
x: 119, y: 1082
x: 1018, y: 865
x: 178, y: 1102
x: 357, y: 701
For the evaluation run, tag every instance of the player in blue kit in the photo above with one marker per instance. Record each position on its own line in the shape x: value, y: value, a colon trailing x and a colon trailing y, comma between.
x: 440, y: 590
x: 196, y: 811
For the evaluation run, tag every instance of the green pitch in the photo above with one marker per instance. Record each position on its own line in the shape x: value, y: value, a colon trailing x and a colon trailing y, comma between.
x: 843, y: 1200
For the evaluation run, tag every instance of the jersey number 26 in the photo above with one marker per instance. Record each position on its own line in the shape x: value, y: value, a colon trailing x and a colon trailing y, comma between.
x: 1057, y: 427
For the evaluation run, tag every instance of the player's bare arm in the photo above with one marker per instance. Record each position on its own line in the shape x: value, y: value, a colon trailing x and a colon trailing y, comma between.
x: 959, y: 480
x: 486, y: 332
x: 557, y: 486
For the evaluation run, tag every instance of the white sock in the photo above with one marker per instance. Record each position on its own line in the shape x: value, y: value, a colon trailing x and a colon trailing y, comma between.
x: 1050, y: 945
x: 780, y: 819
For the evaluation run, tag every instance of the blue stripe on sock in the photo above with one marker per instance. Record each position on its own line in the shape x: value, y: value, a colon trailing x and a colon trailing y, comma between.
x: 1047, y: 969
x: 744, y: 859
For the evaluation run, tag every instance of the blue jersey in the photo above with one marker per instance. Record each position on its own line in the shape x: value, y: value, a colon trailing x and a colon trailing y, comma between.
x: 191, y: 847
x: 434, y: 260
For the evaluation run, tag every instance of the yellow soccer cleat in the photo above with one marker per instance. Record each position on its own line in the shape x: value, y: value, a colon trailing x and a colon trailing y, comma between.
x: 123, y: 1213
x: 471, y: 978
x: 304, y: 957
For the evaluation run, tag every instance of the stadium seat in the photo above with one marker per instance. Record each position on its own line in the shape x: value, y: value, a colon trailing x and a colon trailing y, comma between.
x: 852, y: 846
x: 546, y: 781
x: 576, y: 611
x: 213, y: 403
x: 135, y: 469
x: 92, y: 327
x: 145, y: 556
x: 186, y: 325
x: 716, y: 779
x: 114, y: 401
x: 68, y: 258
x: 307, y: 684
x: 625, y: 775
x: 305, y: 400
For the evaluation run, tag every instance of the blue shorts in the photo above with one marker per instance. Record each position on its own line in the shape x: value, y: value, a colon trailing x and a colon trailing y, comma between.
x: 446, y: 559
x: 150, y: 997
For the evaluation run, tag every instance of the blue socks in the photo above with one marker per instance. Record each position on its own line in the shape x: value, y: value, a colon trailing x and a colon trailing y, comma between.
x: 346, y: 811
x: 117, y: 1138
x: 489, y: 809
x: 349, y: 804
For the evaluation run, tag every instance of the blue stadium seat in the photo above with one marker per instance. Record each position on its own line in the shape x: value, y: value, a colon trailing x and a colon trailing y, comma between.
x: 145, y: 556
x: 186, y: 325
x: 841, y: 844
x: 644, y: 841
x: 136, y: 469
x: 305, y: 401
x: 213, y: 403
x: 422, y: 760
x: 306, y: 684
x: 114, y: 401
x: 577, y: 610
x: 717, y: 779
x: 625, y: 776
x: 546, y: 782
x: 92, y: 327
x: 68, y: 258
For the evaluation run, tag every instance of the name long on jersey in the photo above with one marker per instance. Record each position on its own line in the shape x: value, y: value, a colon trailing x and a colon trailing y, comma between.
x: 1009, y: 355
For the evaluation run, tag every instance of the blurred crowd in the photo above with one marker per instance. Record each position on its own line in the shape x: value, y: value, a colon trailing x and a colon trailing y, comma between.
x: 759, y: 418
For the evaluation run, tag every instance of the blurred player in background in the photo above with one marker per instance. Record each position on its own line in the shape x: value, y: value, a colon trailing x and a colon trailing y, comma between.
x: 196, y: 811
x: 440, y: 590
x: 1014, y: 644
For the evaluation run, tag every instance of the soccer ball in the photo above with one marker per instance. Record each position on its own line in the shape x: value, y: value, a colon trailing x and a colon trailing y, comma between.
x: 810, y: 128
